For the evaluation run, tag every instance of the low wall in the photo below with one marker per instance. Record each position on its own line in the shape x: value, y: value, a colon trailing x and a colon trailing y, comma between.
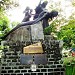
x: 10, y: 61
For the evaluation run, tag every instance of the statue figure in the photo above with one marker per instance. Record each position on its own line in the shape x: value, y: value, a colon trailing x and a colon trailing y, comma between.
x: 39, y: 9
x: 50, y: 15
x: 40, y: 19
x: 27, y: 12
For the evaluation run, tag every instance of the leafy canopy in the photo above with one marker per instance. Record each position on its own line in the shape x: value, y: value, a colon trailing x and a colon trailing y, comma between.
x: 4, y: 21
x: 67, y: 34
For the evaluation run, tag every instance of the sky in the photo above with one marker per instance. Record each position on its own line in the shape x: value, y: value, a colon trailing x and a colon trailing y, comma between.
x: 16, y: 14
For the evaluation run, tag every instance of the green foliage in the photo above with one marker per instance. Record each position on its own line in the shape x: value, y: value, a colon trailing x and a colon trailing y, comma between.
x: 67, y: 34
x: 4, y: 25
x: 13, y: 24
x: 68, y: 60
x: 51, y: 28
x: 6, y: 4
x: 73, y: 2
x: 4, y: 21
x: 48, y: 30
x: 69, y: 63
x: 70, y: 70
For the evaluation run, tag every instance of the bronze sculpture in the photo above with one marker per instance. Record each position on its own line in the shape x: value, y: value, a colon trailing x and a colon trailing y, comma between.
x: 27, y: 16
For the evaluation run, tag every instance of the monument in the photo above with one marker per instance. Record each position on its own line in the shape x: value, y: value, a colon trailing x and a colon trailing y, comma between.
x: 32, y: 30
x: 29, y: 52
x: 28, y: 13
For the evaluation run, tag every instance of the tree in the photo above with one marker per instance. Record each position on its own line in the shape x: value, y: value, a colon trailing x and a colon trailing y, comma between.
x: 67, y: 34
x: 6, y: 4
x: 4, y: 25
x: 64, y: 25
x: 4, y: 21
x: 52, y: 28
x: 73, y: 2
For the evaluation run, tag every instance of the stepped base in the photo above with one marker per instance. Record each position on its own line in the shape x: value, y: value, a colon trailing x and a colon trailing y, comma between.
x: 11, y: 65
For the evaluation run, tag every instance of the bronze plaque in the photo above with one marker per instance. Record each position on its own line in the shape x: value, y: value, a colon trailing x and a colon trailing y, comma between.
x: 40, y: 59
x: 26, y: 59
x: 34, y: 48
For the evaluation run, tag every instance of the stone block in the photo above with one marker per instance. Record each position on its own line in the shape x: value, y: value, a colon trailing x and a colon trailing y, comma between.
x: 26, y: 59
x: 40, y: 59
x: 37, y: 31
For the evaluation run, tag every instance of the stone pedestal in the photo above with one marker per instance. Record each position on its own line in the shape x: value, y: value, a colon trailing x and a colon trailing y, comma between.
x: 37, y: 31
x: 27, y: 33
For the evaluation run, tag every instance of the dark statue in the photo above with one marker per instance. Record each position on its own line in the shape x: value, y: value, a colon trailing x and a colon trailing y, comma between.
x: 50, y: 15
x: 27, y: 12
x: 40, y: 15
x: 40, y: 8
x: 40, y: 11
